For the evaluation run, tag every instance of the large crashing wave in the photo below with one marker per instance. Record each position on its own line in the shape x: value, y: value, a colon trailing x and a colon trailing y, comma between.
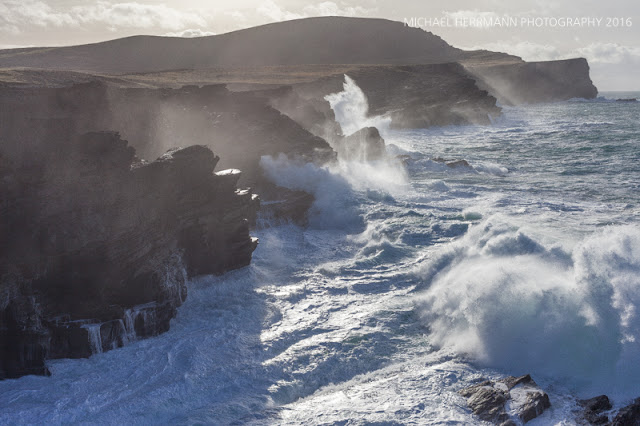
x: 351, y: 109
x: 511, y: 302
x: 335, y: 185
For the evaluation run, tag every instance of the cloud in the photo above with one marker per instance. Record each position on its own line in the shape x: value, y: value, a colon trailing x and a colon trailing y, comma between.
x: 17, y: 14
x: 136, y: 15
x: 14, y: 13
x: 190, y: 33
x: 610, y: 53
x: 473, y: 18
x: 272, y: 10
x: 329, y: 8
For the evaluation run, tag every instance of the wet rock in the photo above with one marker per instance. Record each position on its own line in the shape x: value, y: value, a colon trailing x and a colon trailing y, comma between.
x: 507, y: 400
x: 487, y: 402
x: 364, y: 145
x: 629, y: 415
x: 452, y: 163
x: 282, y: 205
x: 98, y: 248
x: 594, y: 409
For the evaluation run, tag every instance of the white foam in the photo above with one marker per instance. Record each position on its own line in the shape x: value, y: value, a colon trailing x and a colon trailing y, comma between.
x: 509, y: 301
x: 351, y: 109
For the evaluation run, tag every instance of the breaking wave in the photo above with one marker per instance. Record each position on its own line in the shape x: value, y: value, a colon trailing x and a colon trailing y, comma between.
x: 508, y: 300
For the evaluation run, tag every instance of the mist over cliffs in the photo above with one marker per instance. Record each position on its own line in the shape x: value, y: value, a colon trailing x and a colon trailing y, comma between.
x: 94, y: 136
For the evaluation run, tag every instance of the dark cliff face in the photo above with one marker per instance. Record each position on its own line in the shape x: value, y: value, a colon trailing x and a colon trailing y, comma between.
x: 535, y: 82
x: 96, y: 248
x: 98, y: 244
x: 239, y: 127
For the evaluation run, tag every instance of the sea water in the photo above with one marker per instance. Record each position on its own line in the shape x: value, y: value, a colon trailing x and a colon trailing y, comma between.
x: 413, y: 280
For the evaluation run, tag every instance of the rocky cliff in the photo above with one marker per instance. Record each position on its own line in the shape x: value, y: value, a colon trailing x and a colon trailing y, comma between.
x: 413, y: 96
x: 240, y: 127
x: 535, y: 82
x: 315, y: 42
x: 97, y: 246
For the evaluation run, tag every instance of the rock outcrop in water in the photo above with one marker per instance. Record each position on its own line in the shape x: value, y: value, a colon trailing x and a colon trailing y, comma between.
x: 364, y: 145
x: 629, y: 415
x: 594, y: 410
x: 502, y: 401
x: 97, y: 245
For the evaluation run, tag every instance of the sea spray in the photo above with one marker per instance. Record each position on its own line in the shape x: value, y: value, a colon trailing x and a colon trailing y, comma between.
x: 511, y: 302
x: 351, y: 109
x: 335, y: 185
x: 335, y: 206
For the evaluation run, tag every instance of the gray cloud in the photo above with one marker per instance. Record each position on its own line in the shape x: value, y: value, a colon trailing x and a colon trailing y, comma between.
x: 273, y: 11
x: 190, y: 33
x: 17, y: 16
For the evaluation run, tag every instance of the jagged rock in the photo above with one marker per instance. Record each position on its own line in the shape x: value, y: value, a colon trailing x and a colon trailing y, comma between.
x: 364, y: 145
x: 629, y: 415
x: 98, y: 249
x: 487, y: 401
x: 281, y: 205
x: 502, y: 401
x: 594, y: 409
x: 240, y: 127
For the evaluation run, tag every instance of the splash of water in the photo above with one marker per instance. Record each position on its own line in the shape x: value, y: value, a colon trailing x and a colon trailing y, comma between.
x: 351, y: 109
x: 508, y: 301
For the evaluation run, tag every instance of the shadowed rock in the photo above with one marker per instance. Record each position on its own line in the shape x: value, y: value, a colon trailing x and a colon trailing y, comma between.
x: 594, y: 409
x: 364, y: 145
x: 629, y: 415
x: 96, y: 249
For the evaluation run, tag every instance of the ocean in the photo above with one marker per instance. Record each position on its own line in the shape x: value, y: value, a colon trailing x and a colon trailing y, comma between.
x: 413, y: 280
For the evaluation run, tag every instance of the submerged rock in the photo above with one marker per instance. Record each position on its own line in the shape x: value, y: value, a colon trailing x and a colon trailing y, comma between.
x: 454, y: 164
x: 503, y: 401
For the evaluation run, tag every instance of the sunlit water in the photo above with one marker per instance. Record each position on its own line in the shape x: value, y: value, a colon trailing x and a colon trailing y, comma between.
x: 410, y: 283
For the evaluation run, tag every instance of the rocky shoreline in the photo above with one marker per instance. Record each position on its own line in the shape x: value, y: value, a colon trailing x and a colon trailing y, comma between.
x: 518, y: 400
x: 98, y: 242
x: 99, y: 246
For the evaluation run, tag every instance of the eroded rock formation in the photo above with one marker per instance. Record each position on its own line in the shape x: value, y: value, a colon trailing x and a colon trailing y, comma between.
x: 97, y: 246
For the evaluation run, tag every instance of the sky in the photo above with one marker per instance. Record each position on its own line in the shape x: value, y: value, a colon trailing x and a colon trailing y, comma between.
x: 607, y: 33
